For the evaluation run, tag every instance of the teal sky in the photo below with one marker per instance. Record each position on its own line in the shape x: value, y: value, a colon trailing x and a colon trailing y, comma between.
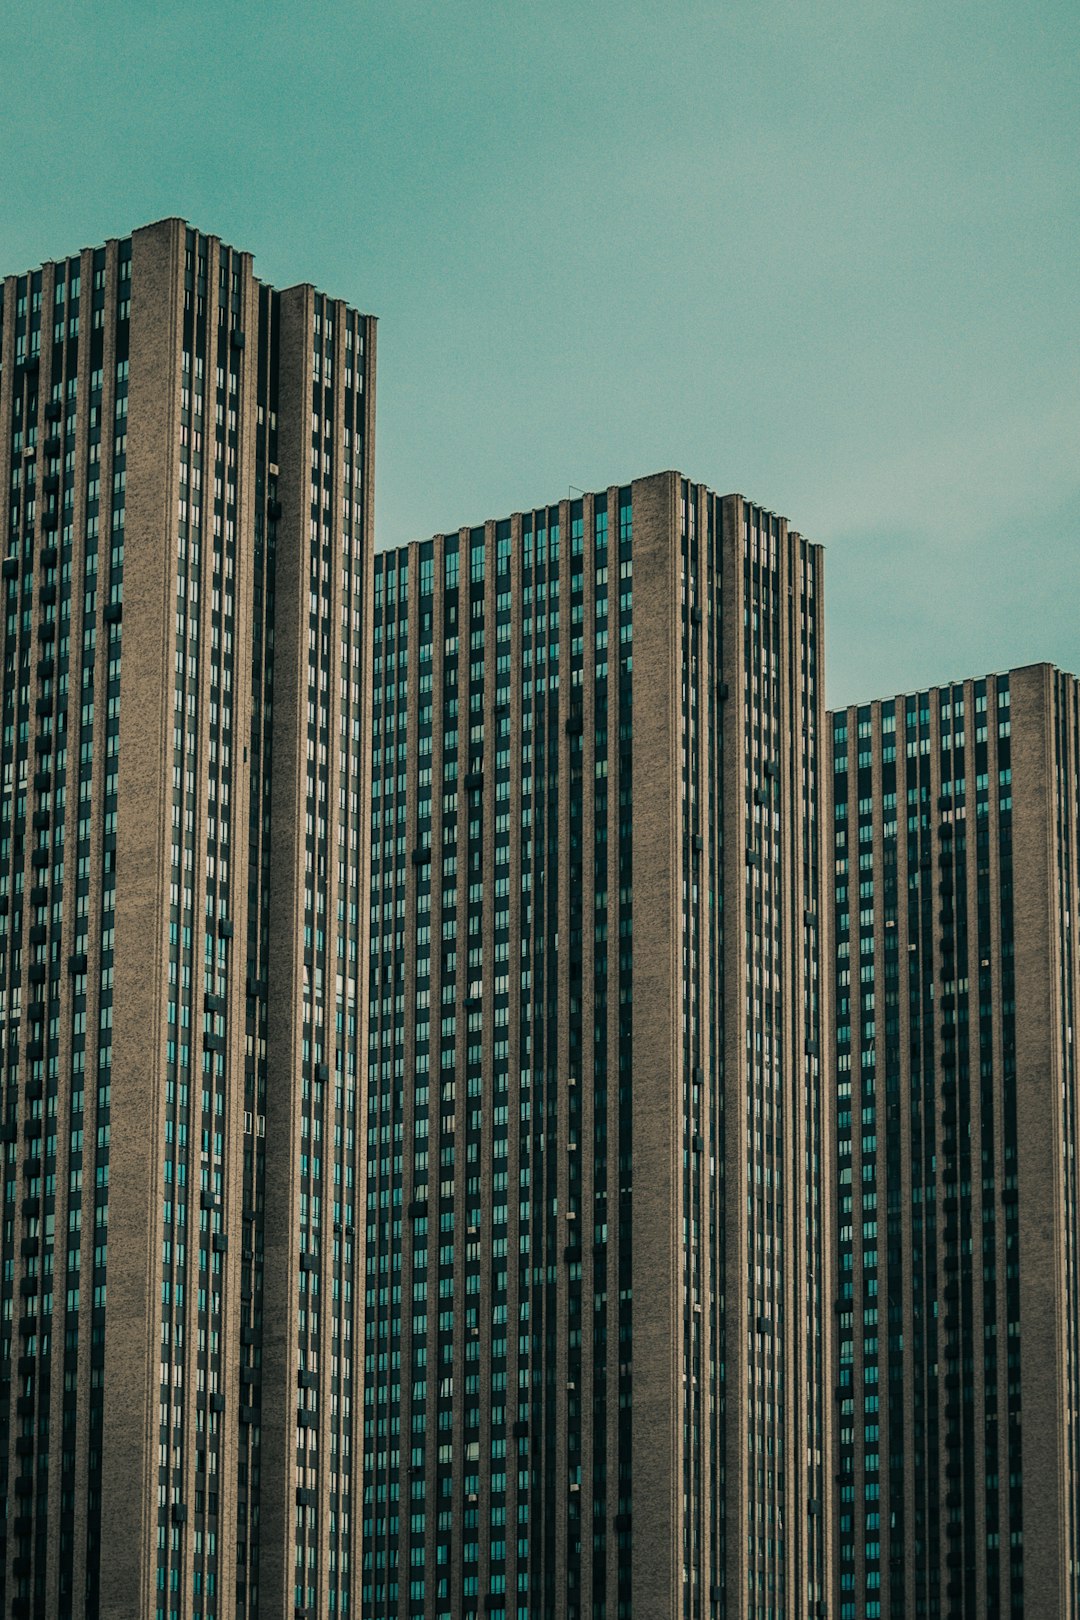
x: 822, y: 253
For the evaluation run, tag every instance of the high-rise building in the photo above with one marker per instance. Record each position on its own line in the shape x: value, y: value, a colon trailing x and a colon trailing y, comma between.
x: 187, y: 460
x: 955, y: 848
x: 596, y: 1270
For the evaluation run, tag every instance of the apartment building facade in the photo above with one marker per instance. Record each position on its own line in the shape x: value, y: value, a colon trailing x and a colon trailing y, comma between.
x: 955, y: 1218
x: 595, y: 1308
x: 187, y: 578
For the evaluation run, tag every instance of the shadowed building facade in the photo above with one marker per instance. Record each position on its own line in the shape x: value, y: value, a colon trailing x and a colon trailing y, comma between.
x: 596, y: 1290
x: 186, y: 579
x: 955, y: 836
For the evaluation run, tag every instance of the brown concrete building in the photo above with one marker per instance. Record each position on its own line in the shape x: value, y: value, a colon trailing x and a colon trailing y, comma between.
x: 955, y: 849
x: 596, y: 1289
x: 187, y: 456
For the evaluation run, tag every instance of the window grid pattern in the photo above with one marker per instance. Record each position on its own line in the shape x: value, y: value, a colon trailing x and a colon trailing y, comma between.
x: 488, y: 1235
x: 63, y: 451
x: 930, y: 1516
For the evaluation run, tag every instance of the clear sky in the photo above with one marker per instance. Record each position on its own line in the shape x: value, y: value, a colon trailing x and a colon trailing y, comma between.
x: 823, y: 253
